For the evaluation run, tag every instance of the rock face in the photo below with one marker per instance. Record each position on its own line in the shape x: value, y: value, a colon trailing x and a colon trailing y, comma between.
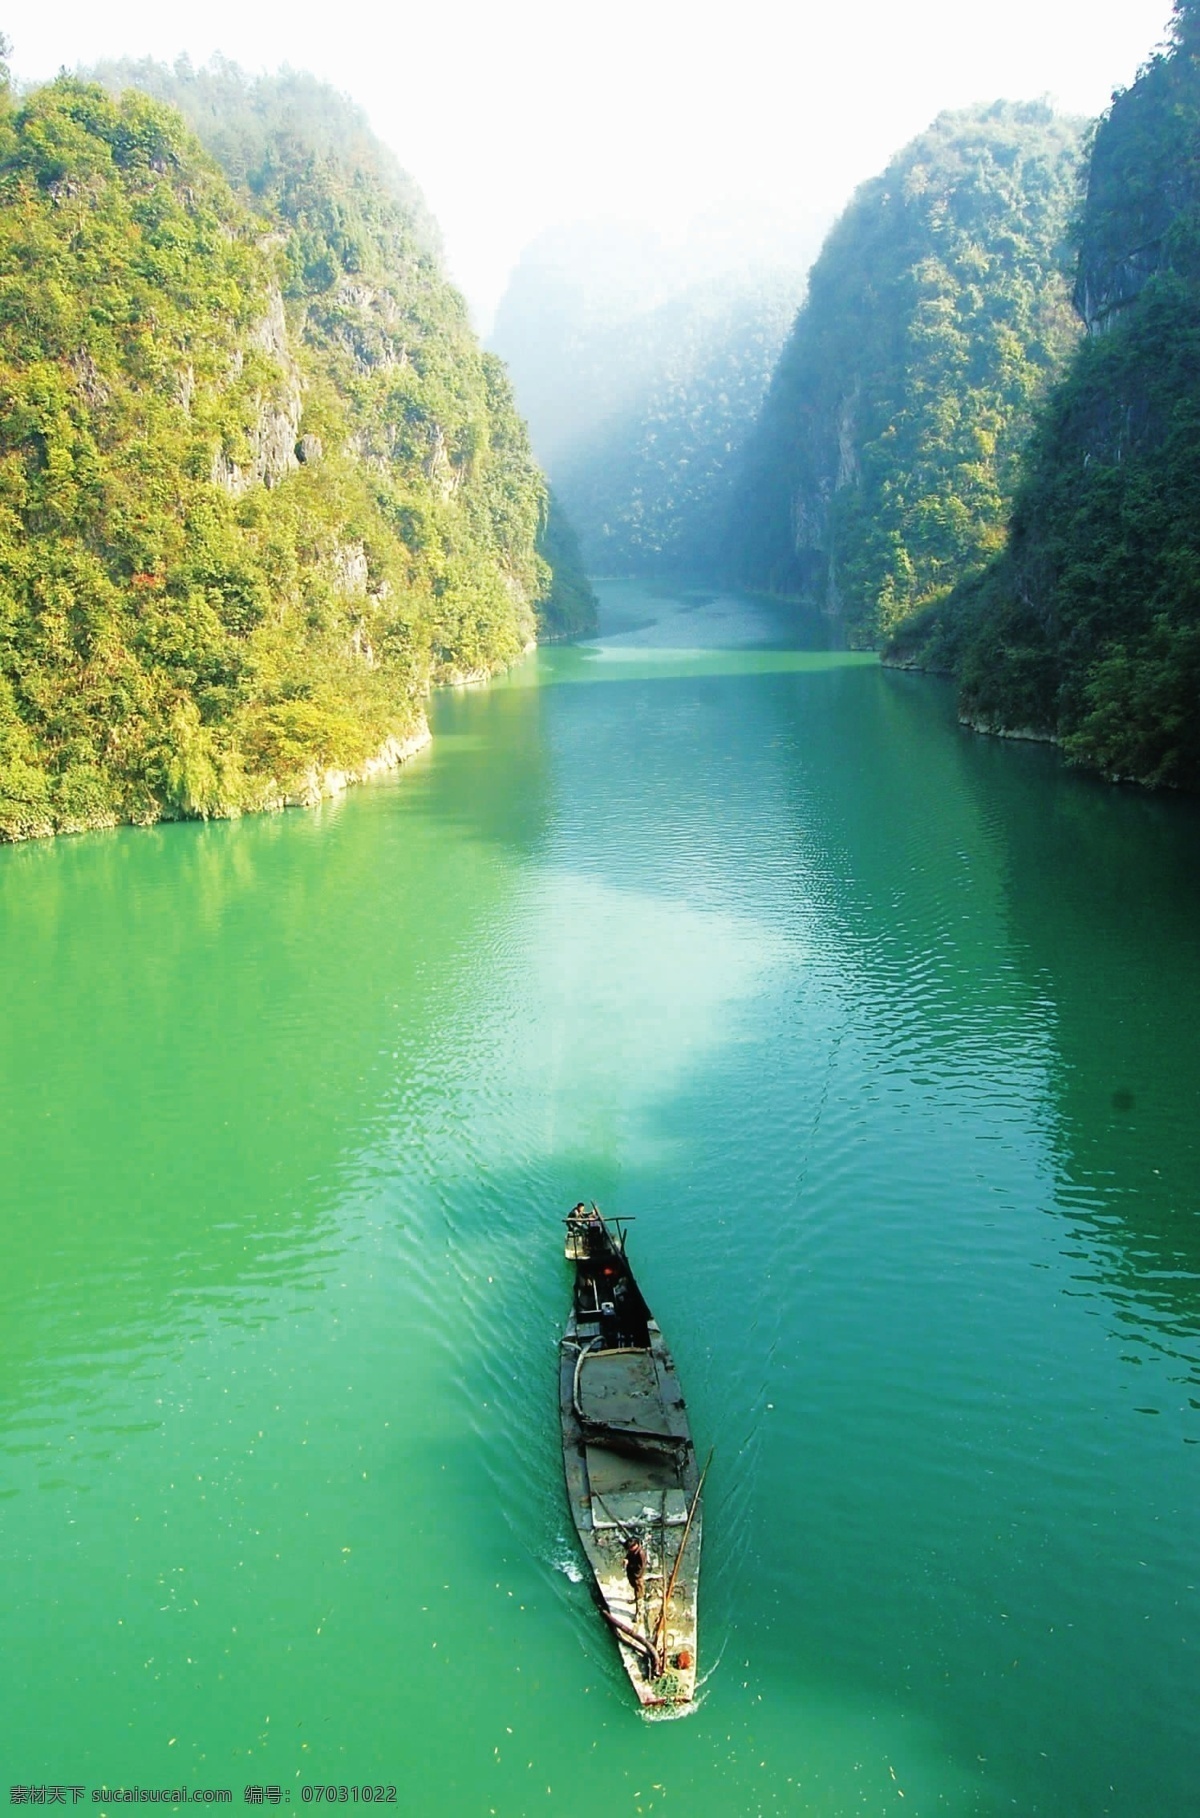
x: 882, y: 463
x: 367, y: 322
x: 1143, y: 183
x: 351, y: 569
x: 317, y: 785
x: 1107, y: 285
x: 250, y: 525
x: 1086, y: 628
x: 277, y: 408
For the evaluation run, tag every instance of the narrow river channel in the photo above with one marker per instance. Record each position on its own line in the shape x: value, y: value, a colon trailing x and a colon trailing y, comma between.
x: 889, y: 1038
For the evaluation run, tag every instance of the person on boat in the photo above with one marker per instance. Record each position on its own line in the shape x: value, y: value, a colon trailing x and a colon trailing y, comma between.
x: 635, y: 1565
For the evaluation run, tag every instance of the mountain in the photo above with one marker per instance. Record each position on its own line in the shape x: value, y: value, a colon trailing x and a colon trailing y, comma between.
x: 259, y: 485
x: 883, y: 463
x: 561, y: 327
x: 1086, y: 628
x: 650, y: 490
x: 640, y: 363
x: 568, y: 607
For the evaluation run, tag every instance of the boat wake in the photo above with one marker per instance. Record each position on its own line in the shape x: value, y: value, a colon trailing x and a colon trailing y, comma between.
x: 703, y: 1678
x: 562, y: 1561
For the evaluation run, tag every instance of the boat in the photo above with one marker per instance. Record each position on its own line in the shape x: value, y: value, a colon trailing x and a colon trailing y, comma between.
x: 630, y: 1464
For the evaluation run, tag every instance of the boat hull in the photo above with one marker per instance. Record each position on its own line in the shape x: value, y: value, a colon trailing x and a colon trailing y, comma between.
x: 630, y: 1469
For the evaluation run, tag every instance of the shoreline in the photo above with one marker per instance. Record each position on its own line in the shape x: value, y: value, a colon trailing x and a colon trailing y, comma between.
x: 306, y: 790
x: 321, y: 785
x: 972, y: 723
x: 1027, y: 734
x: 309, y: 788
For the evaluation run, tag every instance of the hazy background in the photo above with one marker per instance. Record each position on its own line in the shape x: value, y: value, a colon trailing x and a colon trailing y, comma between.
x: 516, y: 117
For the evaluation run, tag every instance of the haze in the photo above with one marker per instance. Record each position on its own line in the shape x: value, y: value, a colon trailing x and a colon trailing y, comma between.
x: 514, y: 118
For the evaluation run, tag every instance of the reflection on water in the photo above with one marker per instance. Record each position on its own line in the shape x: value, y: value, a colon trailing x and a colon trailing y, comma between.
x: 1101, y: 889
x: 856, y: 1014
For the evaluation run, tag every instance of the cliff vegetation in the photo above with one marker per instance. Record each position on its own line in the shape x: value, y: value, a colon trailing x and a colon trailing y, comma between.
x: 259, y: 485
x: 568, y: 607
x: 1086, y: 628
x: 883, y: 465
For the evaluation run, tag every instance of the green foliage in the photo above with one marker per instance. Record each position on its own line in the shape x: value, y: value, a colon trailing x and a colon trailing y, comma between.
x: 300, y: 149
x: 886, y: 454
x: 1087, y: 626
x: 567, y: 609
x: 1139, y: 715
x: 641, y: 363
x: 650, y: 488
x: 258, y: 484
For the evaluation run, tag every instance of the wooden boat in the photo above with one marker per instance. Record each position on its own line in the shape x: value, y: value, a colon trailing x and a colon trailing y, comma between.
x: 630, y: 1464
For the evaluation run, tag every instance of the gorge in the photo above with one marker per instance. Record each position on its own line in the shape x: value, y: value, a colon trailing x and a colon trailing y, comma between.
x: 885, y: 1033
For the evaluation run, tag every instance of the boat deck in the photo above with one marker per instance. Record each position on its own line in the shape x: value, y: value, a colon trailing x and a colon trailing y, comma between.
x: 631, y: 1470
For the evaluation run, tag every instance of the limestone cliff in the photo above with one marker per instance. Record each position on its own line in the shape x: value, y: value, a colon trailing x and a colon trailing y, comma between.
x: 1086, y: 628
x: 883, y: 461
x: 259, y: 485
x: 1143, y: 183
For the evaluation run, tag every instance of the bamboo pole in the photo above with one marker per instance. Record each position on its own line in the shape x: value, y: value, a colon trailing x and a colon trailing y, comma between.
x: 660, y: 1633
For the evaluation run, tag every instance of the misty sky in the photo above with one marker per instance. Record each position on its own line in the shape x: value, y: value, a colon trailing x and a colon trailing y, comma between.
x: 516, y: 116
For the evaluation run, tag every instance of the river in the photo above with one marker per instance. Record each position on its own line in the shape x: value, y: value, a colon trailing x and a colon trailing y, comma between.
x: 886, y: 1034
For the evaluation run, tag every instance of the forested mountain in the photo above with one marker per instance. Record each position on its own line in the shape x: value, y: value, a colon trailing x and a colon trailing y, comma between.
x: 568, y: 607
x: 258, y: 483
x: 1087, y: 627
x: 650, y: 490
x: 640, y: 365
x: 565, y: 327
x: 884, y: 461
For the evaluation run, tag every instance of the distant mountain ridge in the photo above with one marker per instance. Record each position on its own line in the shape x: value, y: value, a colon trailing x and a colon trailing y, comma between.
x: 641, y: 365
x: 651, y: 489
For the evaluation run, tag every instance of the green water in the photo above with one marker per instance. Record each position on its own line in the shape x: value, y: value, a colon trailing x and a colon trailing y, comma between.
x: 890, y: 1038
